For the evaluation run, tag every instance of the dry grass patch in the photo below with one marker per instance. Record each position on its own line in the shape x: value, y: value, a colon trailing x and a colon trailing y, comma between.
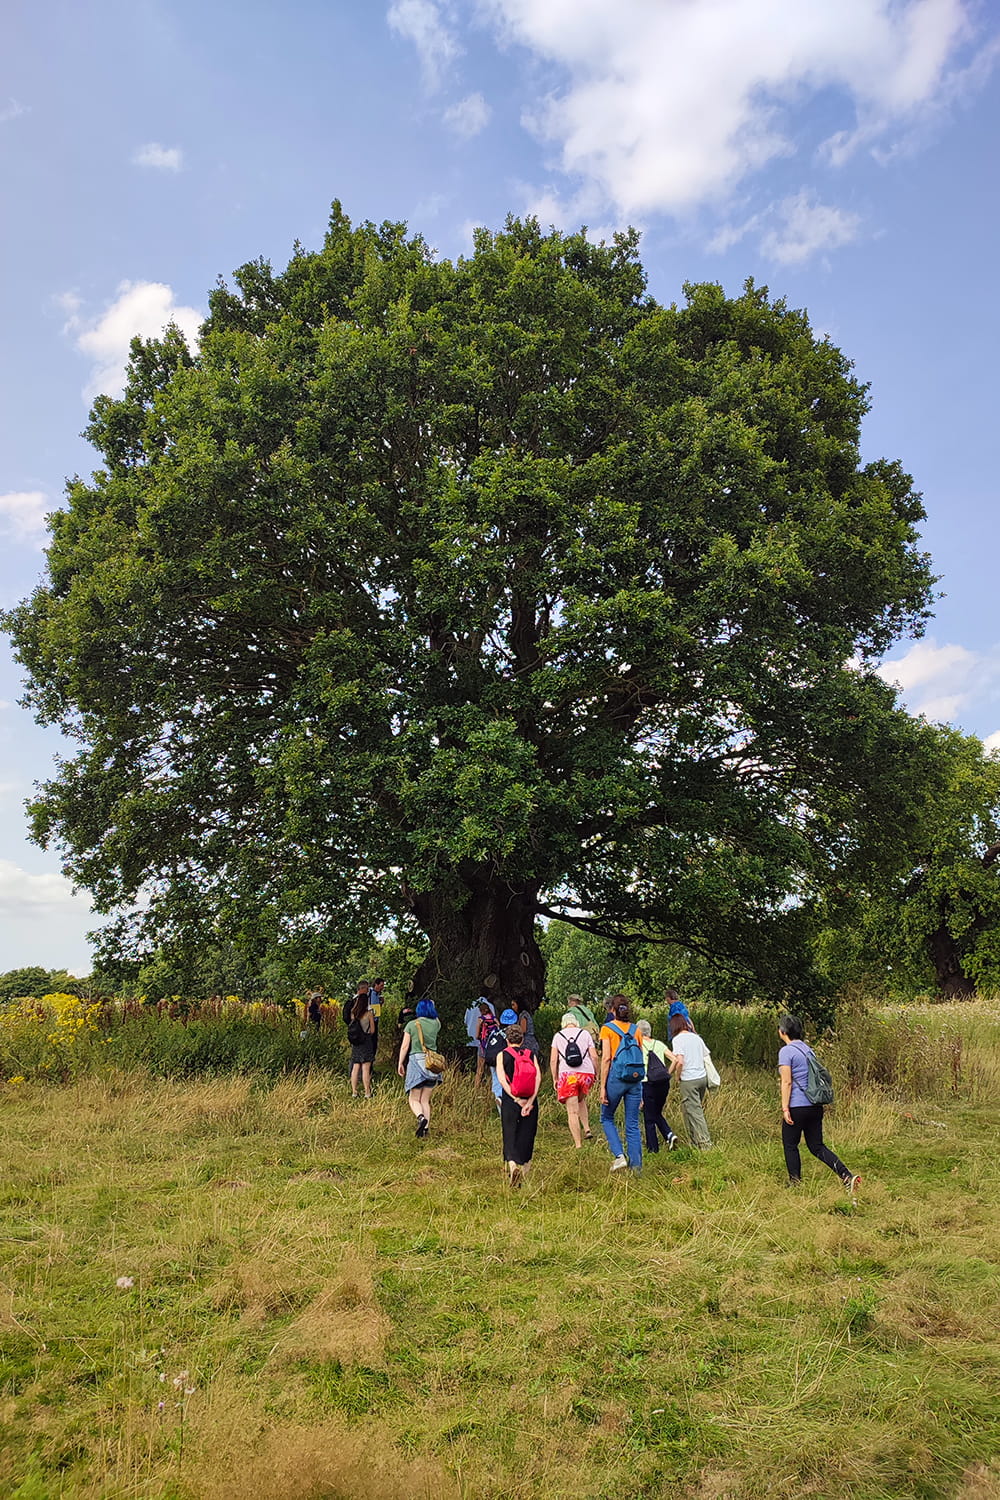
x: 980, y: 1482
x: 343, y: 1321
x: 325, y: 1461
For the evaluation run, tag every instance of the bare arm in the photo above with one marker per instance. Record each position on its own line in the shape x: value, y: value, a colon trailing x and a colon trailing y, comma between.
x: 404, y: 1052
x: 527, y: 1105
x: 605, y: 1066
x: 785, y: 1074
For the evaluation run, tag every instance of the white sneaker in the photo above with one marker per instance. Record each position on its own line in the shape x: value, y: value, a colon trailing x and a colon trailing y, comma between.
x: 618, y: 1163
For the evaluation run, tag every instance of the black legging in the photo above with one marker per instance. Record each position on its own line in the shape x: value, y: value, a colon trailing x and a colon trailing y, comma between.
x: 654, y: 1097
x: 518, y: 1130
x: 807, y: 1120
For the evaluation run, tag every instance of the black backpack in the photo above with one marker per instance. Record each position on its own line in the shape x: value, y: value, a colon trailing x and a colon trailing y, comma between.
x: 656, y: 1069
x: 356, y: 1033
x: 573, y: 1052
x: 494, y: 1044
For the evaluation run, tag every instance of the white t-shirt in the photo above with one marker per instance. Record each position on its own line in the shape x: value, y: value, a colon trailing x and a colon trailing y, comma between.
x: 692, y: 1049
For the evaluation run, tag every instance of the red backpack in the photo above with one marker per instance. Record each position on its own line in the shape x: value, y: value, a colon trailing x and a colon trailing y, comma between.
x: 522, y: 1085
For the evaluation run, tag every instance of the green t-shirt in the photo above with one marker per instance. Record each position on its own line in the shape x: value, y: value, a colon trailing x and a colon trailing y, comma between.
x: 430, y: 1029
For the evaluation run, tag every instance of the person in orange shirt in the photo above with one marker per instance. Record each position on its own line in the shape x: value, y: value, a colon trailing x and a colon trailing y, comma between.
x: 615, y: 1089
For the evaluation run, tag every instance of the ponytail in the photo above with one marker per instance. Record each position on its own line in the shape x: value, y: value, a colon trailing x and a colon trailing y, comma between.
x: 620, y: 1008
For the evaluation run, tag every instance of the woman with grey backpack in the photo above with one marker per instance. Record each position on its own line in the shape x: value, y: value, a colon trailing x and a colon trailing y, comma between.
x: 805, y: 1089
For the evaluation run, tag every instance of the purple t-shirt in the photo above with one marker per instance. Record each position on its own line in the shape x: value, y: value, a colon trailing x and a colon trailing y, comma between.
x: 795, y: 1055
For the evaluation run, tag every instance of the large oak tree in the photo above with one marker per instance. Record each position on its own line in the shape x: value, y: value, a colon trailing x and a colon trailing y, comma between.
x: 466, y: 592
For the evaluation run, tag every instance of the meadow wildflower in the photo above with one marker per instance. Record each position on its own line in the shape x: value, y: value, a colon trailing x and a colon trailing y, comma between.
x: 125, y: 1283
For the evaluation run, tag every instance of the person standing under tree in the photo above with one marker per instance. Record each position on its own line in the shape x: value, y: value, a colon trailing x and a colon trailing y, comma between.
x: 375, y: 997
x: 347, y: 1011
x: 361, y: 1035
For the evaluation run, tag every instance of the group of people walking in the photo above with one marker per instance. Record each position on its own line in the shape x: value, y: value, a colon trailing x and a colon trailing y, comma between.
x: 631, y: 1069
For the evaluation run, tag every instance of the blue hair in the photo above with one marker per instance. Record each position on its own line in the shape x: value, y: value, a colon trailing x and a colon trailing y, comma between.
x: 426, y: 1010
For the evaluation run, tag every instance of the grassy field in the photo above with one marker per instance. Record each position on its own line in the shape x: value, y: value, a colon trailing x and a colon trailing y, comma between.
x: 228, y: 1288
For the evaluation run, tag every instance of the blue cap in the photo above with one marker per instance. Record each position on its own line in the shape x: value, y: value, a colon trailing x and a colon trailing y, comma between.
x: 508, y: 1018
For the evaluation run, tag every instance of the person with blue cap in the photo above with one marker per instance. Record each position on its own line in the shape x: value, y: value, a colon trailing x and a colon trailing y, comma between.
x: 496, y: 1043
x: 678, y: 1011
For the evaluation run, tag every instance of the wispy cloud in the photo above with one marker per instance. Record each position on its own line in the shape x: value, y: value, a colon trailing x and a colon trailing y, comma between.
x: 940, y: 682
x: 161, y: 158
x: 468, y: 117
x: 141, y: 308
x: 671, y: 106
x: 22, y: 515
x: 23, y: 895
x: 805, y: 227
x: 11, y: 111
x: 424, y: 23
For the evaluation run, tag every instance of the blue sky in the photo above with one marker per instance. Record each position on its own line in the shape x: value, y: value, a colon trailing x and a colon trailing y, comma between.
x: 841, y: 151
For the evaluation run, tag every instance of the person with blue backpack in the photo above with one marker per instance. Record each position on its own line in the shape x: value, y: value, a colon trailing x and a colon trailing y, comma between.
x: 806, y: 1088
x: 623, y: 1069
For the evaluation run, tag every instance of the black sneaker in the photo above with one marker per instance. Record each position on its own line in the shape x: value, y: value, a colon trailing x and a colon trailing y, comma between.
x: 423, y: 1126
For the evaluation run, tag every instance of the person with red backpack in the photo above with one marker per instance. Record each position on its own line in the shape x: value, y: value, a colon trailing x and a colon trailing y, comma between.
x: 520, y: 1078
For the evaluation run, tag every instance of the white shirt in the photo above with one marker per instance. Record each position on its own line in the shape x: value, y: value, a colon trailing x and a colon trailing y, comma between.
x: 691, y: 1047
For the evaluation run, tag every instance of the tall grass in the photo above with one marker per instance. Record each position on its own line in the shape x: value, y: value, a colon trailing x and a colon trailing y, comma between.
x: 351, y: 1312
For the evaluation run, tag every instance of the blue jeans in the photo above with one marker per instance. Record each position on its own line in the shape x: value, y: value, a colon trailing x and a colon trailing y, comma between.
x: 633, y: 1137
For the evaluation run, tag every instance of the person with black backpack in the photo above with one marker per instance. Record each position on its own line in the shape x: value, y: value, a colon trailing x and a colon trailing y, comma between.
x: 361, y: 1035
x: 656, y: 1087
x: 494, y: 1041
x: 623, y: 1069
x: 806, y: 1088
x: 573, y: 1065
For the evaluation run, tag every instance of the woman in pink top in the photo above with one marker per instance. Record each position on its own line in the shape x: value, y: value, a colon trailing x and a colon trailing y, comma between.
x: 574, y: 1080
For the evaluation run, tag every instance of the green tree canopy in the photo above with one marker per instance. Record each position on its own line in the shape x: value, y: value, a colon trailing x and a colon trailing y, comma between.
x: 463, y: 592
x: 936, y: 925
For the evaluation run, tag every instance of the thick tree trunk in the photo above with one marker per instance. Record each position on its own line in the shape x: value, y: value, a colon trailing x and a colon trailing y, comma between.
x: 953, y: 982
x: 482, y: 941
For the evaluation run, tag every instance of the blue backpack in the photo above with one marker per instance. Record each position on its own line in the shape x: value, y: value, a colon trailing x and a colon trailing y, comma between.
x: 628, y: 1066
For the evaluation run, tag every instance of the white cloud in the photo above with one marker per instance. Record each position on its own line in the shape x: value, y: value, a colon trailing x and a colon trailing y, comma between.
x: 805, y: 227
x: 11, y: 110
x: 992, y: 742
x: 142, y: 308
x: 423, y: 23
x: 668, y: 105
x: 22, y: 515
x: 163, y: 158
x: 940, y: 682
x: 24, y: 895
x: 469, y: 116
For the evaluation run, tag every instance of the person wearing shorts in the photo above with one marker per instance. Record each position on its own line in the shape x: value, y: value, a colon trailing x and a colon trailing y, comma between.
x: 573, y: 1083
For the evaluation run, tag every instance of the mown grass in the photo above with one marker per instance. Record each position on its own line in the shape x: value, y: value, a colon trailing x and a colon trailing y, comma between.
x: 350, y: 1312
